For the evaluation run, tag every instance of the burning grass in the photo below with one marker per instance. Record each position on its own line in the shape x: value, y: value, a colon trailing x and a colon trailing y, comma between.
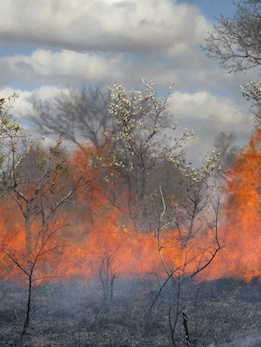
x: 115, y: 285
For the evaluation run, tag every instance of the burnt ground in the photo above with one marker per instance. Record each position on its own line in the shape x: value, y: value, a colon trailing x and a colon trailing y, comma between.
x: 224, y: 312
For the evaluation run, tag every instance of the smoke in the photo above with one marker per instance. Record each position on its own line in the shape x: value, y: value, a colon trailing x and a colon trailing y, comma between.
x: 242, y: 341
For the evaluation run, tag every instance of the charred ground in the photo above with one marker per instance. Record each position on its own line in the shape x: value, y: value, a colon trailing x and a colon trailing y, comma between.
x: 225, y: 312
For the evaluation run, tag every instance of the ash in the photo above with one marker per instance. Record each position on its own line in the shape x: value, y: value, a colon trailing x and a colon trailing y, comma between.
x: 225, y: 312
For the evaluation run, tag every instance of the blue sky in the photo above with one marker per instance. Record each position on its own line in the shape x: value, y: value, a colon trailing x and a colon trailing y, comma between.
x: 214, y: 8
x: 47, y: 46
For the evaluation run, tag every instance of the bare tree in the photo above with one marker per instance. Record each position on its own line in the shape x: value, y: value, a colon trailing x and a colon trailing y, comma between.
x: 107, y: 274
x: 28, y: 266
x: 41, y: 184
x: 225, y: 145
x: 236, y: 41
x: 189, y: 231
x: 77, y: 115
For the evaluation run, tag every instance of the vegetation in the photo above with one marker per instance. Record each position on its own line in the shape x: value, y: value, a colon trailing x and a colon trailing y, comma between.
x: 235, y: 43
x: 128, y: 183
x: 122, y: 209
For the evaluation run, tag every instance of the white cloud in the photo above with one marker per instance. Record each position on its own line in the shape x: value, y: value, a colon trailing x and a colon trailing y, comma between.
x: 21, y: 107
x: 202, y: 112
x: 132, y: 26
x: 67, y: 67
x: 207, y: 115
x: 108, y: 41
x: 205, y: 106
x: 46, y: 66
x: 82, y: 42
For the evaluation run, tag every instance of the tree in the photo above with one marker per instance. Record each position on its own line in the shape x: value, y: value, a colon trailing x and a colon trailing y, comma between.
x: 252, y: 91
x: 132, y: 131
x: 38, y: 182
x: 188, y: 236
x: 42, y: 184
x: 236, y: 41
x: 225, y: 145
x: 13, y: 144
x: 77, y: 115
x: 144, y: 137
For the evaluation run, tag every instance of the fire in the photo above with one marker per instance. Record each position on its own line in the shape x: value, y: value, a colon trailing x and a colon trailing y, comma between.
x: 97, y: 236
x: 241, y: 236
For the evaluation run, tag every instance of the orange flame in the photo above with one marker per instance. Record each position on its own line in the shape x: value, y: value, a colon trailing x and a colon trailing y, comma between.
x: 241, y: 256
x: 100, y: 234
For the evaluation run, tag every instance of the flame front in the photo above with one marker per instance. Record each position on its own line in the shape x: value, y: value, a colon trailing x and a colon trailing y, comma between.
x: 109, y: 239
x: 241, y: 237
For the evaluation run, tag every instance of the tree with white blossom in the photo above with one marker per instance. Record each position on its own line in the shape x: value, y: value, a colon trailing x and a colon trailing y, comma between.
x: 145, y: 135
x: 252, y: 91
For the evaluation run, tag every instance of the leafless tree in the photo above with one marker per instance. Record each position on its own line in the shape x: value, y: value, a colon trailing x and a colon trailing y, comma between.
x: 194, y: 223
x: 41, y: 185
x: 236, y: 41
x: 225, y: 145
x: 107, y: 274
x: 77, y: 115
x: 28, y: 266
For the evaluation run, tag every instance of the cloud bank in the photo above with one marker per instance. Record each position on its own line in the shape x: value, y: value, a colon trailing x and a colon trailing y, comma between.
x: 48, y: 46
